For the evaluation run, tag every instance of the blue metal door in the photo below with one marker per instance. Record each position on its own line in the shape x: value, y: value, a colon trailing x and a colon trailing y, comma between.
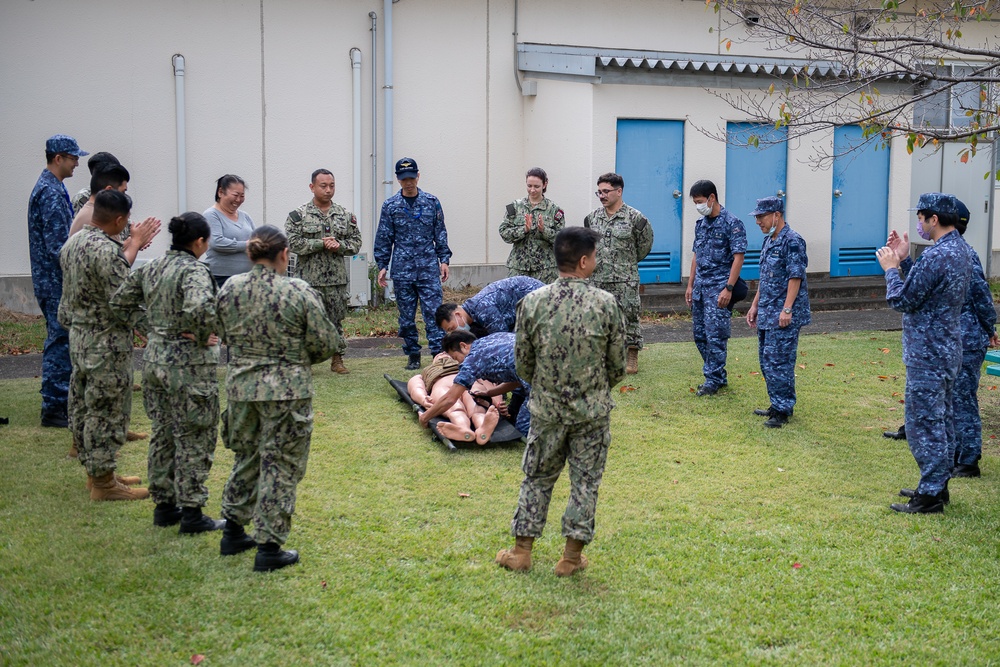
x: 650, y: 157
x: 753, y: 172
x: 860, y: 203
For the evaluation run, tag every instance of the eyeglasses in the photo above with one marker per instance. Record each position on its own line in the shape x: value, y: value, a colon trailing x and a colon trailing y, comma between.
x: 604, y: 193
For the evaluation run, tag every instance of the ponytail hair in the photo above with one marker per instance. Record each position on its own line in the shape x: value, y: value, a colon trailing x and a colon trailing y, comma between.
x: 266, y: 243
x: 188, y: 227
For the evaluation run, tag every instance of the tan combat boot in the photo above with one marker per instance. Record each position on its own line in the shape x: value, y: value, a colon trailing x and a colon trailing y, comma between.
x: 572, y: 558
x: 127, y: 480
x: 337, y: 365
x: 106, y: 487
x: 74, y: 452
x: 132, y: 436
x: 632, y: 361
x: 518, y: 558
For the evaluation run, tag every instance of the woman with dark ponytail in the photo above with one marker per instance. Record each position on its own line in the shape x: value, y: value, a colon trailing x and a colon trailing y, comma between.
x: 180, y: 386
x: 276, y: 328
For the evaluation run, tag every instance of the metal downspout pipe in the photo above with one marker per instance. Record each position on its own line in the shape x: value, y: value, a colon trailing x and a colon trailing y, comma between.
x: 387, y: 85
x: 375, y: 208
x: 178, y: 63
x: 356, y: 98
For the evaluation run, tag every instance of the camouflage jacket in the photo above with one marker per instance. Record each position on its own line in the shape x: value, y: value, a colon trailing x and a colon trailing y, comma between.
x: 716, y: 241
x: 782, y: 258
x: 276, y: 329
x: 306, y: 227
x: 49, y: 218
x: 412, y: 238
x: 532, y: 251
x: 93, y: 269
x: 79, y: 199
x: 177, y: 294
x: 571, y: 348
x: 627, y: 238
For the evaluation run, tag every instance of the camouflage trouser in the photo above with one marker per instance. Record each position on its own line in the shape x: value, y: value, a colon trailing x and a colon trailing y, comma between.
x: 547, y: 276
x: 183, y: 404
x: 335, y: 299
x: 271, y: 443
x: 550, y: 446
x: 930, y: 426
x: 56, y: 366
x: 968, y: 423
x: 712, y: 326
x: 428, y: 291
x: 776, y: 351
x: 100, y: 402
x: 627, y: 294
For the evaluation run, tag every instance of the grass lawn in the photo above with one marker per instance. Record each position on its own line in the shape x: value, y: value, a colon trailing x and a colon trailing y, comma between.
x: 718, y: 541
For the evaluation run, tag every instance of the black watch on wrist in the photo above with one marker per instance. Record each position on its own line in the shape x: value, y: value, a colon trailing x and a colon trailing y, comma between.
x: 729, y: 288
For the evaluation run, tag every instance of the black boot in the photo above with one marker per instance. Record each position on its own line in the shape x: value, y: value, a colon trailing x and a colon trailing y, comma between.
x: 966, y: 470
x: 414, y: 362
x: 777, y: 420
x: 193, y: 521
x: 234, y: 539
x: 270, y: 557
x: 166, y: 514
x: 920, y: 504
x: 55, y: 418
x: 910, y: 493
x: 761, y: 412
x: 896, y: 435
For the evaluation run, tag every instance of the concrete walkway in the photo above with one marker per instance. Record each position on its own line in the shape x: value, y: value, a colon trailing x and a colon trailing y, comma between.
x: 884, y: 319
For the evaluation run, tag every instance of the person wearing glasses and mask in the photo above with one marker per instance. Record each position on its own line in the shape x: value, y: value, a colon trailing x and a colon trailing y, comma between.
x: 626, y: 239
x: 780, y: 308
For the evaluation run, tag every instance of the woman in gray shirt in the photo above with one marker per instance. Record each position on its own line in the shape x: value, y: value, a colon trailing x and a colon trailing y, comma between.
x: 231, y: 228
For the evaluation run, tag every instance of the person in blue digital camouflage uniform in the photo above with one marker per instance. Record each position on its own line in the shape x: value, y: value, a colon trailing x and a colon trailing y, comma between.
x: 780, y: 308
x: 493, y: 310
x: 412, y: 237
x: 50, y: 215
x: 931, y: 300
x: 490, y: 358
x: 720, y: 242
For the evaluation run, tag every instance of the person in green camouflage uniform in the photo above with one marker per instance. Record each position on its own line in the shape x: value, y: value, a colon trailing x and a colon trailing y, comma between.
x: 321, y: 234
x: 626, y: 239
x: 181, y: 388
x: 531, y: 225
x: 100, y: 345
x: 276, y: 328
x: 570, y: 346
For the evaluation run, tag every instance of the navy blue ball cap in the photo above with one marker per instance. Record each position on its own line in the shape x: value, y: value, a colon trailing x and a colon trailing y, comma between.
x: 937, y: 202
x: 406, y: 168
x: 769, y: 205
x: 962, y: 210
x: 63, y: 143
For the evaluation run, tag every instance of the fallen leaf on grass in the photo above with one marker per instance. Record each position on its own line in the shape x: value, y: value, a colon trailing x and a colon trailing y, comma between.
x: 883, y: 377
x: 895, y: 393
x: 893, y: 409
x: 754, y: 373
x: 903, y: 401
x: 828, y: 364
x: 797, y: 565
x: 993, y: 437
x: 322, y: 585
x: 993, y: 388
x: 885, y: 350
x: 197, y: 658
x: 675, y: 481
x: 464, y: 495
x: 936, y: 539
x: 802, y: 366
x: 628, y: 387
x: 802, y: 352
x: 781, y: 470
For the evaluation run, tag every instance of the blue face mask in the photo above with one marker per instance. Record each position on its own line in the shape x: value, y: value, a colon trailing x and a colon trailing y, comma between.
x: 463, y: 327
x: 771, y: 231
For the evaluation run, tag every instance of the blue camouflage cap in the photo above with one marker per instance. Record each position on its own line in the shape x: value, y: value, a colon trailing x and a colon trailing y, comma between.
x: 63, y: 143
x: 937, y: 202
x: 406, y: 168
x: 769, y: 205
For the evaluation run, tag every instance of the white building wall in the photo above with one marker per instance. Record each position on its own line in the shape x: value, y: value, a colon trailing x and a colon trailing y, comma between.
x: 268, y: 91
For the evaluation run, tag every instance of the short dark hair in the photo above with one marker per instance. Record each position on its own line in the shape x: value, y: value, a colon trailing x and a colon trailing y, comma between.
x: 108, y: 175
x: 444, y: 313
x: 187, y: 227
x: 225, y: 181
x: 451, y: 342
x: 944, y: 219
x: 318, y: 172
x: 266, y: 242
x: 612, y: 179
x: 50, y: 157
x: 109, y: 204
x: 572, y: 243
x: 539, y: 173
x: 704, y: 189
x: 100, y: 159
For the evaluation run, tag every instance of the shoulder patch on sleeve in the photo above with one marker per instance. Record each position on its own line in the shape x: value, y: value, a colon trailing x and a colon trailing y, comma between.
x: 586, y: 222
x: 559, y: 214
x: 295, y: 216
x: 511, y: 209
x: 642, y: 224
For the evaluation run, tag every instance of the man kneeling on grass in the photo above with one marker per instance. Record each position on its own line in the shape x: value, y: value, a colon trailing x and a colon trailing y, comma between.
x: 571, y: 347
x: 468, y: 418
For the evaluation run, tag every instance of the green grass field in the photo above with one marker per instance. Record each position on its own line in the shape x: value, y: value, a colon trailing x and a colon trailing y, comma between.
x: 718, y: 541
